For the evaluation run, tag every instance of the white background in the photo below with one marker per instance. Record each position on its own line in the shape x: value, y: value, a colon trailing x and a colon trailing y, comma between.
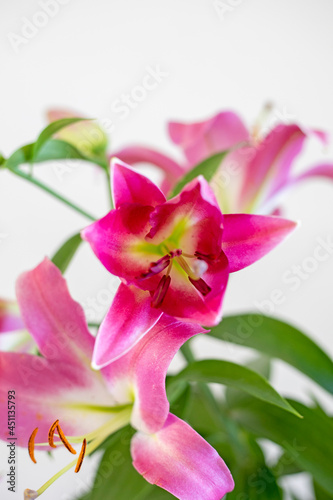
x: 90, y: 53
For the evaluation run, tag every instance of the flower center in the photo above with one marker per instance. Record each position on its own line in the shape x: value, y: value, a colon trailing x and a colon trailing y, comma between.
x: 194, y: 271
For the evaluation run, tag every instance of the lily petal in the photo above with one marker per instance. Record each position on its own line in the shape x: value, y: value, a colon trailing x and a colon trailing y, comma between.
x: 50, y: 389
x: 140, y: 154
x: 128, y: 186
x: 247, y: 238
x: 129, y: 318
x: 53, y: 318
x: 202, y: 139
x: 179, y: 460
x: 10, y: 319
x: 270, y: 165
x: 324, y: 170
x: 140, y: 374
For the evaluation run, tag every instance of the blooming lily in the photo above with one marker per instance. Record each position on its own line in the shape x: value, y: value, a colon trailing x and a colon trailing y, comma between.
x: 253, y: 175
x: 59, y: 386
x: 172, y: 256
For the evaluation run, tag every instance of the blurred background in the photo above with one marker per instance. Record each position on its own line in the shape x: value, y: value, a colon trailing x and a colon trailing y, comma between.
x: 208, y: 56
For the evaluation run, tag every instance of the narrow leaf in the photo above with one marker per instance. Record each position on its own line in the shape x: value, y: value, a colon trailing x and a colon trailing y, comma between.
x: 66, y: 252
x: 308, y: 441
x: 206, y: 168
x: 51, y: 129
x: 278, y: 340
x: 233, y: 375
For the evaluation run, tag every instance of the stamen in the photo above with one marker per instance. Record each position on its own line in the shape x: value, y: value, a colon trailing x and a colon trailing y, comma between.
x: 206, y: 257
x: 156, y: 267
x: 31, y: 445
x: 30, y: 494
x: 161, y: 291
x: 201, y: 286
x: 65, y: 440
x: 81, y: 456
x: 184, y: 265
x: 51, y: 433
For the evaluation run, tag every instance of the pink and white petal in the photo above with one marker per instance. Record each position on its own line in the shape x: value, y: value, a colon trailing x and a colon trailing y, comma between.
x: 324, y: 170
x: 140, y: 374
x: 180, y: 461
x: 203, y: 139
x: 10, y: 319
x: 140, y: 154
x: 115, y: 238
x: 48, y: 390
x: 270, y: 166
x: 247, y: 238
x: 193, y: 306
x: 56, y: 322
x: 193, y: 217
x: 129, y: 318
x: 128, y: 186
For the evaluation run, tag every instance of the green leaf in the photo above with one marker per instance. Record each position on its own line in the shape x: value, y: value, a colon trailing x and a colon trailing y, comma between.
x: 50, y: 130
x: 308, y: 440
x: 66, y: 252
x: 206, y: 168
x: 231, y: 374
x: 261, y: 365
x: 116, y: 477
x: 321, y: 494
x: 53, y: 149
x: 278, y: 340
x: 286, y: 465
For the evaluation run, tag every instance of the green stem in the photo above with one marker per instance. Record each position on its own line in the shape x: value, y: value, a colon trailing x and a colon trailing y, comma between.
x: 50, y: 191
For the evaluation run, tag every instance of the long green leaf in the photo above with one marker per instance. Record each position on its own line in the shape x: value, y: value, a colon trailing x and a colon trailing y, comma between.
x: 308, y: 441
x: 278, y: 340
x: 66, y: 252
x: 53, y: 149
x: 52, y: 129
x: 231, y: 374
x: 206, y: 168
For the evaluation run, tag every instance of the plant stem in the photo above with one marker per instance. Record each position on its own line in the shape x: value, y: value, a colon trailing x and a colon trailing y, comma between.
x: 50, y: 191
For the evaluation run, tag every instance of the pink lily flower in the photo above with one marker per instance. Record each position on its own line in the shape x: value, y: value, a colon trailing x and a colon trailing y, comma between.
x: 254, y: 174
x: 172, y: 256
x: 90, y: 405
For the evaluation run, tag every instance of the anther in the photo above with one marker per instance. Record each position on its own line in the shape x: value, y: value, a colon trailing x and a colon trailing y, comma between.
x: 30, y: 494
x: 161, y: 291
x: 81, y: 456
x: 201, y: 286
x: 156, y: 267
x: 51, y: 433
x: 65, y: 440
x: 206, y: 257
x: 31, y: 445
